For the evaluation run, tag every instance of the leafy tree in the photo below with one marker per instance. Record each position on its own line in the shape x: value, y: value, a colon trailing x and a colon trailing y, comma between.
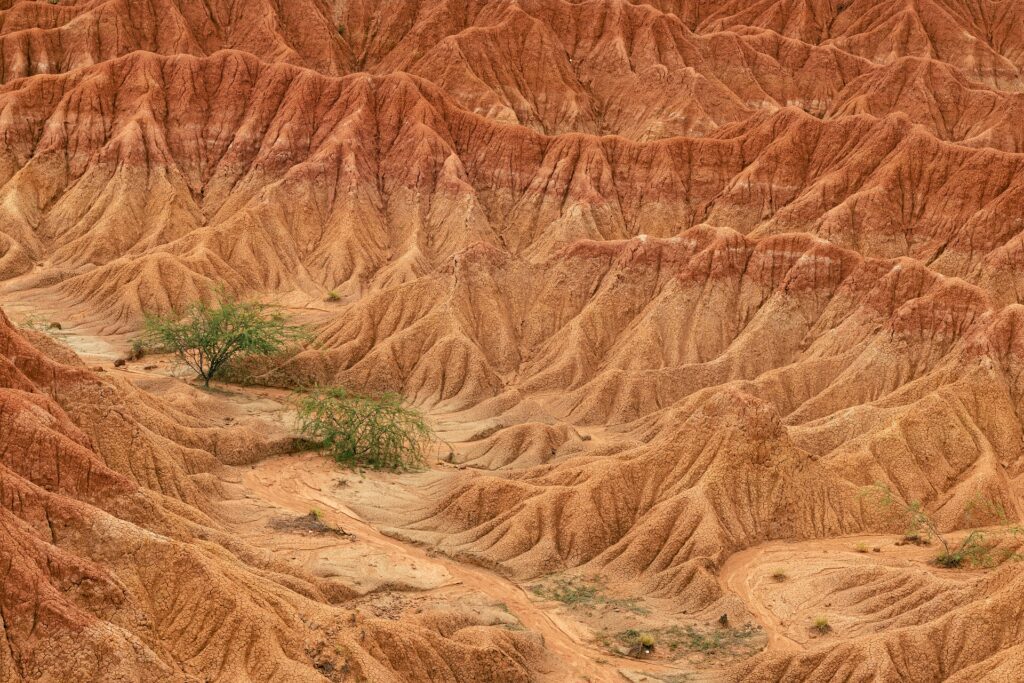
x: 380, y: 432
x: 207, y: 336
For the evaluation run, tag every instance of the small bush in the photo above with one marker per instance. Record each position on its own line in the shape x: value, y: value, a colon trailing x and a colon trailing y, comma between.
x: 137, y: 350
x: 821, y: 625
x: 972, y: 550
x: 913, y: 539
x: 332, y: 296
x: 639, y: 644
x: 780, y: 575
x: 861, y: 548
x: 377, y: 432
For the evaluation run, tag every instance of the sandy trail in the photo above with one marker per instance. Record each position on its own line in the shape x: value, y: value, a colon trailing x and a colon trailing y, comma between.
x: 301, y: 483
x: 812, y: 566
x: 40, y: 314
x: 737, y: 577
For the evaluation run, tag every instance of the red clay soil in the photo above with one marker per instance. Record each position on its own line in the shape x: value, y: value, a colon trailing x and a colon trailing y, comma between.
x: 676, y: 279
x: 117, y: 567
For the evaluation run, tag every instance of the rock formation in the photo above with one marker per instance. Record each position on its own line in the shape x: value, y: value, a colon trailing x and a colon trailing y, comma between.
x: 770, y: 251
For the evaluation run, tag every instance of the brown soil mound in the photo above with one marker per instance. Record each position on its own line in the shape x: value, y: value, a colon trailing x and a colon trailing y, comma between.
x: 665, y: 514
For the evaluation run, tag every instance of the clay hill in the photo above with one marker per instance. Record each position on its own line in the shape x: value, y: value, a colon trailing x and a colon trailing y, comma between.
x: 675, y: 281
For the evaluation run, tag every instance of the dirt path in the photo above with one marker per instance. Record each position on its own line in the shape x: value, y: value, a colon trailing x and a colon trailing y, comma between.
x: 737, y: 577
x: 90, y: 347
x: 301, y: 483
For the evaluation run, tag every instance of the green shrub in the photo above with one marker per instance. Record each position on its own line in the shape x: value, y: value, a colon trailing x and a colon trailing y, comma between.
x: 379, y: 432
x: 138, y: 349
x: 821, y: 625
x: 207, y: 336
x: 971, y: 550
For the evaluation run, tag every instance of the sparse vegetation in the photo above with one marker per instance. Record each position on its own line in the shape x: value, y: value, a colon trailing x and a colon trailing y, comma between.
x: 567, y: 591
x: 718, y: 641
x: 974, y: 549
x: 37, y: 324
x: 332, y: 296
x: 379, y: 432
x: 914, y: 539
x: 970, y: 550
x: 207, y: 336
x: 708, y: 643
x: 137, y: 350
x: 575, y: 593
x: 639, y: 644
x: 821, y: 625
x: 918, y: 524
x: 312, y: 523
x: 780, y: 575
x: 861, y: 547
x: 252, y: 370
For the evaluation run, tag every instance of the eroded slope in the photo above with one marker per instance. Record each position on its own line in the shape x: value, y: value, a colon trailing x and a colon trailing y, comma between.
x: 767, y: 252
